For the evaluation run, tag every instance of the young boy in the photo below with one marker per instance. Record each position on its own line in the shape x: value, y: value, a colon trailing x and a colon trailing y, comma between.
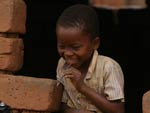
x: 92, y: 83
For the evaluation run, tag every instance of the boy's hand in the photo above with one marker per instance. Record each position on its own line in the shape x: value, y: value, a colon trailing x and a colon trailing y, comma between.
x: 75, y: 77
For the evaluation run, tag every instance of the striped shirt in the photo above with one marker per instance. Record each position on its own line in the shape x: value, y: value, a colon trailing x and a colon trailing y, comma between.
x: 104, y: 75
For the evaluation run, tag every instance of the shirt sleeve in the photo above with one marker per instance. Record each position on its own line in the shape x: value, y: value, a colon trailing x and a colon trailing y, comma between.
x: 64, y: 98
x: 59, y: 70
x: 114, y: 81
x: 60, y: 78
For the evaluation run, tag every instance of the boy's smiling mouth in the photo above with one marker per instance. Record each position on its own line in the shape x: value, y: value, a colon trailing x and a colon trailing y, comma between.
x: 71, y: 62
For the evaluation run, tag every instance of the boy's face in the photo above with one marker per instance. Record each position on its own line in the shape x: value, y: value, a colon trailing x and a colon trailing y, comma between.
x: 74, y: 46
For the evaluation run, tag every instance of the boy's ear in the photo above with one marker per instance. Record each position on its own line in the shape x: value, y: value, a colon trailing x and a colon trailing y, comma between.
x: 96, y: 43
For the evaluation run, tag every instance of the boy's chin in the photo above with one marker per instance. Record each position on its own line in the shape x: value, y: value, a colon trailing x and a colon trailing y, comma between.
x: 69, y: 63
x: 72, y: 65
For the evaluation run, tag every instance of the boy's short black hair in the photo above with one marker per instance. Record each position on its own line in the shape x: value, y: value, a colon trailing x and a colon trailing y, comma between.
x: 80, y: 16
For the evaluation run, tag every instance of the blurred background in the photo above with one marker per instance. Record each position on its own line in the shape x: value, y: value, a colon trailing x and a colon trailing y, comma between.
x: 125, y: 33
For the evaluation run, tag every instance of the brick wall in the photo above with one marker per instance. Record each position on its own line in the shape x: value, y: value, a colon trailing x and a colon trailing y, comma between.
x: 22, y: 94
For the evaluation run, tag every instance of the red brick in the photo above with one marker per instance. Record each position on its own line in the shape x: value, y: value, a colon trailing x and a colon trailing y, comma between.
x: 10, y: 45
x: 13, y: 16
x: 29, y: 93
x: 11, y: 54
x: 11, y: 62
x: 146, y: 102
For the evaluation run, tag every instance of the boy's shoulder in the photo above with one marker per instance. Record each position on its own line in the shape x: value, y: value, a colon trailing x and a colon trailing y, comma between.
x: 107, y: 64
x: 106, y: 58
x: 107, y: 61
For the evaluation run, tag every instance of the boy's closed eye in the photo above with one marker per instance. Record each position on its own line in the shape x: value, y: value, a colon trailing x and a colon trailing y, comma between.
x: 73, y: 47
x: 60, y: 46
x: 76, y: 47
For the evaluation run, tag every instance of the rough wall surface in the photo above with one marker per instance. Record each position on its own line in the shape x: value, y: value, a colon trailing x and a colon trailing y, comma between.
x: 13, y: 16
x: 29, y: 93
x: 11, y: 54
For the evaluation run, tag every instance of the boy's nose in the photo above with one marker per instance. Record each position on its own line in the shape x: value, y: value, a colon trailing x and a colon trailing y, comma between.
x: 68, y: 52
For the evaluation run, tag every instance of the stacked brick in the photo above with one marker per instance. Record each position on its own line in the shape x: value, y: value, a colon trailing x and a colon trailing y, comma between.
x: 12, y: 23
x: 11, y: 53
x: 22, y: 94
x: 29, y: 94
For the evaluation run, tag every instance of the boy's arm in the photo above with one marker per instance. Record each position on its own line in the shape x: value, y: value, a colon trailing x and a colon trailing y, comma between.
x: 97, y: 99
x: 101, y: 102
x: 58, y: 93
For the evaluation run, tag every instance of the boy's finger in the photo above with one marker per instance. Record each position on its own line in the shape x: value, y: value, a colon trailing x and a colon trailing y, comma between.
x: 69, y: 76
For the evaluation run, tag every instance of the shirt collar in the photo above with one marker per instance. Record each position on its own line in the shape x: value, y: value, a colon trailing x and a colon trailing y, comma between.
x: 92, y: 65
